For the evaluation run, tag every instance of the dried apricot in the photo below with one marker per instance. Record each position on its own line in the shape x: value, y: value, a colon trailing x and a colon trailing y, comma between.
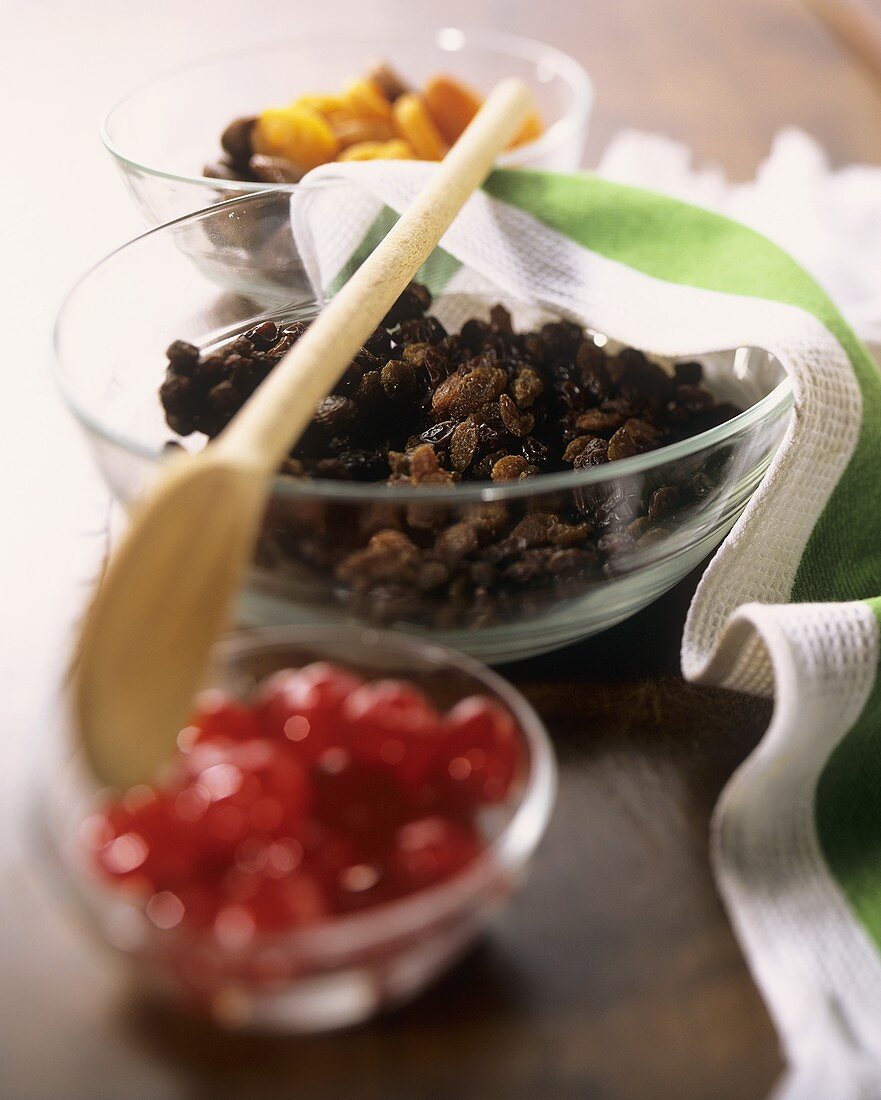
x: 452, y: 105
x: 390, y: 83
x: 352, y: 131
x: 414, y: 123
x: 379, y: 150
x: 325, y: 104
x: 365, y: 100
x: 299, y: 134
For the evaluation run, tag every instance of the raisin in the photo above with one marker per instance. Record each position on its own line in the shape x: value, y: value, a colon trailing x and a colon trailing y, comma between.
x: 595, y: 453
x: 456, y: 542
x: 399, y: 380
x: 500, y: 319
x: 535, y: 452
x: 439, y: 433
x: 183, y: 358
x: 518, y: 423
x: 463, y: 445
x: 509, y: 468
x: 536, y: 528
x: 435, y: 363
x: 597, y: 422
x: 423, y: 462
x: 379, y: 343
x: 662, y: 502
x: 688, y: 374
x: 423, y: 330
x: 410, y: 306
x: 473, y: 334
x: 415, y: 354
x: 526, y: 387
x: 335, y: 412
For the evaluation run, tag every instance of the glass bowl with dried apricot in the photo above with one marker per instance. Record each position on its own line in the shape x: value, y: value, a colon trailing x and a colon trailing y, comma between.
x: 251, y: 120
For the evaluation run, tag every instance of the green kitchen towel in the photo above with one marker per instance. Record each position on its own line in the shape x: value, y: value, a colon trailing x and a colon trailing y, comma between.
x: 789, y: 604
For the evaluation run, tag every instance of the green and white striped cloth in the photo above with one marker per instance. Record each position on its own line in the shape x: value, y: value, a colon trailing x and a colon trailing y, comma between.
x: 788, y: 606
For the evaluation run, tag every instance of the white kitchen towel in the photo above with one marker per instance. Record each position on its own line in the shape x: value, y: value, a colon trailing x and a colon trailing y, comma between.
x: 789, y: 602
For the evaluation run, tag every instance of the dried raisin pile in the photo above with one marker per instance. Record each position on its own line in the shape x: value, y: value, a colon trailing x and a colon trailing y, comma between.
x: 422, y: 406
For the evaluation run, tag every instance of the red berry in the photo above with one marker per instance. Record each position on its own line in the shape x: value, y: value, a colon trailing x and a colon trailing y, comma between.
x: 393, y: 725
x: 150, y: 848
x: 219, y: 716
x: 303, y: 707
x: 326, y: 852
x: 270, y: 904
x: 430, y: 850
x: 483, y: 750
x: 363, y: 803
x: 259, y: 787
x: 361, y: 885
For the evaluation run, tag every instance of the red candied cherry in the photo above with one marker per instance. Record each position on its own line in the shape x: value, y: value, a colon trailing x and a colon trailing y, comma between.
x: 303, y: 706
x: 430, y: 850
x: 394, y: 725
x: 142, y: 843
x: 326, y: 851
x: 483, y: 751
x: 362, y: 885
x: 198, y: 902
x: 363, y: 803
x: 254, y: 902
x: 256, y: 787
x: 218, y: 716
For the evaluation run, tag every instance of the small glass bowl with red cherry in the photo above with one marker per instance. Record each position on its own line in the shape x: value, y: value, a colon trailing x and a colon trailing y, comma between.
x: 342, y: 816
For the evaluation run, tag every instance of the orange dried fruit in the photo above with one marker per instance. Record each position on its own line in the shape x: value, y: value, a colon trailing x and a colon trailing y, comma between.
x: 352, y: 131
x: 452, y: 105
x: 318, y: 101
x: 397, y: 149
x: 299, y: 134
x: 364, y: 99
x: 414, y: 123
x: 390, y: 83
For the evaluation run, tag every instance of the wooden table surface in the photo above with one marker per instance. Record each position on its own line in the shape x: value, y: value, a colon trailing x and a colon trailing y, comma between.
x: 615, y: 974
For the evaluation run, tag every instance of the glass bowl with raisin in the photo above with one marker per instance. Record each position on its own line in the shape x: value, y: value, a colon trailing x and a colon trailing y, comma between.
x: 166, y: 134
x: 502, y: 481
x: 345, y: 813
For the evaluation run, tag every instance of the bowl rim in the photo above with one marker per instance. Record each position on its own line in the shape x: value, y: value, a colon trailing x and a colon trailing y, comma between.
x: 574, y: 74
x: 347, y: 934
x: 779, y: 400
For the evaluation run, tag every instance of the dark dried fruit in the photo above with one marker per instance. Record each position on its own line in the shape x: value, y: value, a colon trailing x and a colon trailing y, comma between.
x: 237, y: 140
x: 662, y: 502
x: 518, y: 423
x: 597, y: 422
x: 595, y: 453
x: 399, y: 380
x: 335, y: 412
x: 688, y: 374
x: 463, y: 445
x: 419, y: 407
x: 183, y: 358
x: 274, y: 169
x: 527, y: 387
x: 509, y: 468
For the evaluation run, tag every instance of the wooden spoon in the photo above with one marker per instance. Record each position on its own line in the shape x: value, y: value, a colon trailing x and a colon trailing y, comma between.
x: 168, y: 588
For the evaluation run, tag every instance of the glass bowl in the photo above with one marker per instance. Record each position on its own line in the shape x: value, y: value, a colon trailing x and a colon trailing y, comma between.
x: 162, y: 133
x: 110, y: 341
x: 342, y: 969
